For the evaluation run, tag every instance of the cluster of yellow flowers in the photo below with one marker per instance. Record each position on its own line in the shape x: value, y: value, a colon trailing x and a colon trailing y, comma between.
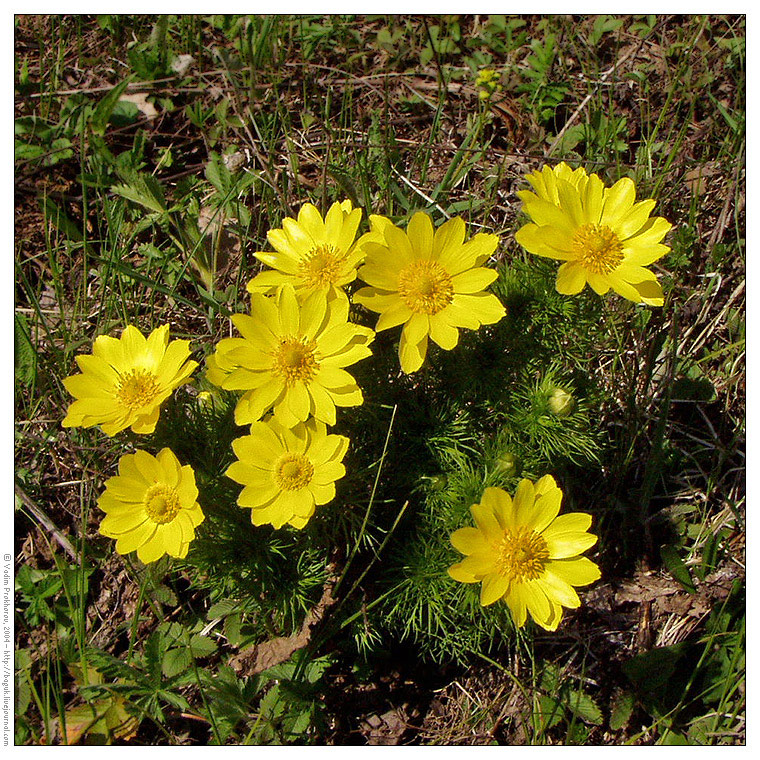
x: 151, y: 505
x: 488, y: 82
x: 297, y: 340
x: 289, y: 364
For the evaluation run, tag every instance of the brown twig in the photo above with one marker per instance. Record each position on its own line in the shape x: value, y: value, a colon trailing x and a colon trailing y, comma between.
x: 46, y: 523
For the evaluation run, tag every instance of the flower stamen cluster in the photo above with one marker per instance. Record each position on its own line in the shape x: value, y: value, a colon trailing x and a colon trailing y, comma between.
x: 322, y: 267
x: 137, y: 388
x: 425, y: 287
x: 162, y: 503
x: 293, y: 471
x: 522, y: 554
x: 295, y: 360
x: 598, y: 248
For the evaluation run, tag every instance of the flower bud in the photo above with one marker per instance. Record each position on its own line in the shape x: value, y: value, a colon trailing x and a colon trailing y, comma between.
x: 509, y: 464
x: 561, y: 402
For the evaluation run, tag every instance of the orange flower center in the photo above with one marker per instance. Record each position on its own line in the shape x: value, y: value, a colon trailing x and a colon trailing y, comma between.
x: 161, y: 503
x: 425, y: 287
x: 597, y: 248
x: 522, y: 554
x: 295, y: 360
x: 293, y: 471
x: 137, y: 388
x: 322, y: 267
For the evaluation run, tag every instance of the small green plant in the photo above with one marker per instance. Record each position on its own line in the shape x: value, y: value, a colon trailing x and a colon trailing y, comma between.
x: 544, y: 93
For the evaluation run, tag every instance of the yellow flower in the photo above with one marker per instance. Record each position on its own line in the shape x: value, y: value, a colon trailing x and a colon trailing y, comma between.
x: 604, y: 237
x: 524, y: 553
x: 431, y: 282
x: 151, y: 506
x: 125, y: 380
x: 488, y: 79
x: 311, y: 253
x: 291, y: 358
x: 287, y: 472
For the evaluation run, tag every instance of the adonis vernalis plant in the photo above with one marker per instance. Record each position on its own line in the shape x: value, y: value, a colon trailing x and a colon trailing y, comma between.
x: 125, y: 380
x: 151, y: 506
x: 525, y: 553
x: 603, y: 236
x: 287, y: 472
x: 431, y: 282
x: 291, y: 358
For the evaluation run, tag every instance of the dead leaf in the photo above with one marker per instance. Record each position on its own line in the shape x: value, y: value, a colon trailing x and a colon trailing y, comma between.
x: 260, y: 657
x: 181, y: 64
x: 696, y: 179
x: 140, y: 99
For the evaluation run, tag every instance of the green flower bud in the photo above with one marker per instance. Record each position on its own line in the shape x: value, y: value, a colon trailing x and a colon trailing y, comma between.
x: 509, y: 464
x: 438, y: 482
x: 561, y: 402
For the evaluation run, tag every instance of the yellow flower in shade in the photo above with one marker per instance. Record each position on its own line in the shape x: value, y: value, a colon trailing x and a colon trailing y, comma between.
x: 287, y: 472
x: 430, y: 282
x: 125, y: 380
x: 525, y: 554
x: 605, y: 237
x: 311, y: 253
x: 291, y: 358
x: 151, y: 506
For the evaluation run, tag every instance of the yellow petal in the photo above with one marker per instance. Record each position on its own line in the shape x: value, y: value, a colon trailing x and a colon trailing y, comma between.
x: 395, y: 314
x: 170, y: 466
x: 547, y: 507
x: 566, y: 545
x: 114, y: 525
x: 650, y: 293
x: 459, y: 574
x: 571, y: 278
x: 487, y: 515
x: 154, y: 548
x: 298, y: 400
x: 87, y: 386
x: 381, y: 276
x: 398, y: 245
x: 579, y: 571
x: 558, y: 590
x: 128, y: 542
x: 442, y: 332
x: 572, y: 522
x: 420, y: 234
x: 494, y: 587
x: 448, y: 239
x: 469, y: 540
x: 474, y: 280
x: 322, y: 493
x: 635, y: 219
x: 516, y: 602
x: 322, y: 405
x: 256, y: 402
x: 411, y: 355
x: 485, y: 307
x: 550, y: 242
x: 536, y: 602
x: 618, y: 201
x: 417, y: 328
